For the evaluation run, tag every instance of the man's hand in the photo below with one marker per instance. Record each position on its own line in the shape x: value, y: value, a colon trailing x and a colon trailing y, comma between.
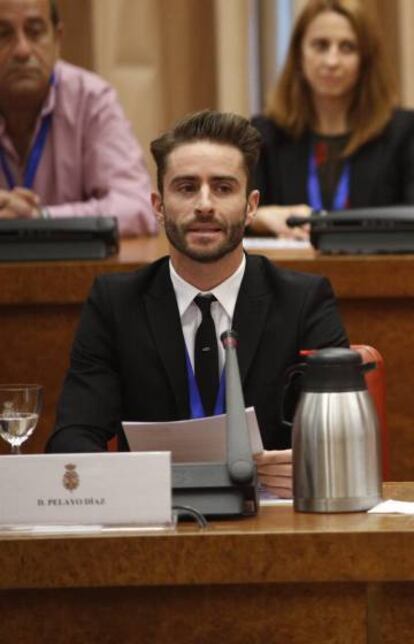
x: 272, y: 219
x: 274, y: 468
x: 19, y: 203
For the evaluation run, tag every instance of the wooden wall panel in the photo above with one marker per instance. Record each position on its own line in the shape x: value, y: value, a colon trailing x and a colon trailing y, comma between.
x: 160, y: 56
x: 232, y: 18
x: 188, y: 71
x: 77, y: 45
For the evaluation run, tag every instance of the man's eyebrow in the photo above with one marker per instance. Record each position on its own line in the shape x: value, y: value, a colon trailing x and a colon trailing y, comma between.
x: 184, y: 177
x: 214, y: 177
x: 225, y: 177
x: 35, y: 20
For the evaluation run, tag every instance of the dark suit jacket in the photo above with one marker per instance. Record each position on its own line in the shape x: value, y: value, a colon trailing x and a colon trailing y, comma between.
x: 382, y: 170
x: 128, y: 358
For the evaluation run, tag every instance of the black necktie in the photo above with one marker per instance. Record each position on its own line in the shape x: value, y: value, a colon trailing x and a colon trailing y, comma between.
x: 206, y: 355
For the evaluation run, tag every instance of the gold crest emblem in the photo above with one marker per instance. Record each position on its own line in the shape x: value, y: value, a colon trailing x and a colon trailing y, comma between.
x: 70, y: 477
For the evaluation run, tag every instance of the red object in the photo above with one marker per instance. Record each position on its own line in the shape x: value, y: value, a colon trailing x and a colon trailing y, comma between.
x: 375, y: 380
x: 320, y: 152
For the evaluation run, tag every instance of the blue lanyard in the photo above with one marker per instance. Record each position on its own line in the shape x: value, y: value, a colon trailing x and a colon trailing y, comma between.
x: 340, y: 200
x: 33, y: 160
x: 196, y: 406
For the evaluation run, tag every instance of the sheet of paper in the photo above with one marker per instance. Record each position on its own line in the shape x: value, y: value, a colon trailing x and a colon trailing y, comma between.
x: 253, y: 243
x: 275, y: 502
x: 189, y: 441
x: 267, y: 497
x: 393, y: 507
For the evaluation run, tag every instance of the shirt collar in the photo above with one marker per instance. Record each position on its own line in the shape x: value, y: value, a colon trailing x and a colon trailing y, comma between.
x: 50, y: 101
x: 226, y: 293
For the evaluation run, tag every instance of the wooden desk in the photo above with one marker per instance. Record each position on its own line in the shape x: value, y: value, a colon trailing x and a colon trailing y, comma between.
x: 40, y: 304
x: 282, y: 577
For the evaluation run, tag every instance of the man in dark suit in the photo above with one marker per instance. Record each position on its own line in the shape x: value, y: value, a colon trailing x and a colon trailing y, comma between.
x: 135, y: 352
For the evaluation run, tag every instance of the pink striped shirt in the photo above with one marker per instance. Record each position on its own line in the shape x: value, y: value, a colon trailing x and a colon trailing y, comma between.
x: 91, y: 164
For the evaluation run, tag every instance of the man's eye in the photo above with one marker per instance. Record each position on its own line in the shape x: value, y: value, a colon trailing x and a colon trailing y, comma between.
x: 186, y: 187
x: 224, y: 188
x: 35, y: 30
x: 5, y: 33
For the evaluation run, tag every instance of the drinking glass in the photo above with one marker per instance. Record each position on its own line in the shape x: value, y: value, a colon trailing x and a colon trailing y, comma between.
x: 20, y: 407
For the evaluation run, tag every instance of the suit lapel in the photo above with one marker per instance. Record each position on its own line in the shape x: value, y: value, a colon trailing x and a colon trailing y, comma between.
x: 251, y: 312
x: 164, y: 321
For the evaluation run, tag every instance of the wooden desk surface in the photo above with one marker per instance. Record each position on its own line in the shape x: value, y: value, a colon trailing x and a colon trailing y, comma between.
x: 310, y: 547
x: 277, y: 578
x: 355, y: 276
x: 40, y: 304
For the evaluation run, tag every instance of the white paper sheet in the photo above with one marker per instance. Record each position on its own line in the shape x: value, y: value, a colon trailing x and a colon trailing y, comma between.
x: 253, y: 243
x: 189, y: 441
x: 393, y: 507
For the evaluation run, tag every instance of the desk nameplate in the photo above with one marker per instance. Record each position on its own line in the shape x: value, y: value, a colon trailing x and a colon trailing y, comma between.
x: 127, y: 488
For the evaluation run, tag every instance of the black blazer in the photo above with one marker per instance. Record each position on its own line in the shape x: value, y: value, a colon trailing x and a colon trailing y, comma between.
x: 382, y: 170
x: 128, y: 357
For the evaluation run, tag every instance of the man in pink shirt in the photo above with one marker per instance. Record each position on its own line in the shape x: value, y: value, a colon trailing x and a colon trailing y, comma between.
x: 66, y: 148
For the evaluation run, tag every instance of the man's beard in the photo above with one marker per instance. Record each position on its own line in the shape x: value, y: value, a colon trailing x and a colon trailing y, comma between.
x: 233, y: 235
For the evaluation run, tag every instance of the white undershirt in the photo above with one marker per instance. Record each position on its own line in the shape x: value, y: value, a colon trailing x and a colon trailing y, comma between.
x: 222, y: 310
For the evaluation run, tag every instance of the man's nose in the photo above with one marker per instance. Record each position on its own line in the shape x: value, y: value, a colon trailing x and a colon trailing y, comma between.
x: 204, y: 203
x: 22, y: 48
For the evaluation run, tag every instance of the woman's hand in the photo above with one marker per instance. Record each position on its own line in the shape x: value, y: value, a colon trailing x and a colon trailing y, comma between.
x: 272, y: 219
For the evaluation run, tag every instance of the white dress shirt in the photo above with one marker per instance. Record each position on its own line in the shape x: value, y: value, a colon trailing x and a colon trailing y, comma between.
x: 222, y: 310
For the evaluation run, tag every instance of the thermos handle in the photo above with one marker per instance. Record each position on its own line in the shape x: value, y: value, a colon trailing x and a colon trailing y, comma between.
x: 290, y: 373
x: 368, y: 366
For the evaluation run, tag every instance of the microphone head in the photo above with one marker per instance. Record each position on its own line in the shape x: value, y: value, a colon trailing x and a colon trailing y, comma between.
x: 229, y: 339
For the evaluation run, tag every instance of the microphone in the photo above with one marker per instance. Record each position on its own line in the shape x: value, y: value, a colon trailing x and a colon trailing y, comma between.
x: 226, y: 489
x: 239, y: 454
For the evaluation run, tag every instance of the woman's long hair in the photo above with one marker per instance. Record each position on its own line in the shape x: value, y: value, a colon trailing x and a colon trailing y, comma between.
x: 375, y: 93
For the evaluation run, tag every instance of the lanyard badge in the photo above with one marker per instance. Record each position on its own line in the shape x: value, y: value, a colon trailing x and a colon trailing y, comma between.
x: 341, y: 196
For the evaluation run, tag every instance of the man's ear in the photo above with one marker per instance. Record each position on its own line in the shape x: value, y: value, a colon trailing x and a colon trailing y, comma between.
x: 158, y: 206
x: 252, y: 206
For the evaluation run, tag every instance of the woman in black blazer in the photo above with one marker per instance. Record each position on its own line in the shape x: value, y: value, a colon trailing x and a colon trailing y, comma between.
x: 332, y: 136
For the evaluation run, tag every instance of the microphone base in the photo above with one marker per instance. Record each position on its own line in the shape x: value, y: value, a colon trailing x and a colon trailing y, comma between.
x: 207, y: 488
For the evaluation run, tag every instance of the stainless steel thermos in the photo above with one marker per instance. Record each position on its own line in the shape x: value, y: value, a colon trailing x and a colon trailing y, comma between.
x: 336, y: 439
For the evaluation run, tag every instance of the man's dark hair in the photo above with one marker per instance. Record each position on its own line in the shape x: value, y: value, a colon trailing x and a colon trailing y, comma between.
x: 54, y: 13
x: 209, y: 125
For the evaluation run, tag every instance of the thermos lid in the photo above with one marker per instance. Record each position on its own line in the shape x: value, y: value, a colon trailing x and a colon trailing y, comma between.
x: 334, y: 369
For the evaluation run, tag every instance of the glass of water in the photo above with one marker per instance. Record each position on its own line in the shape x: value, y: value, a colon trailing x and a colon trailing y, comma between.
x: 20, y: 407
